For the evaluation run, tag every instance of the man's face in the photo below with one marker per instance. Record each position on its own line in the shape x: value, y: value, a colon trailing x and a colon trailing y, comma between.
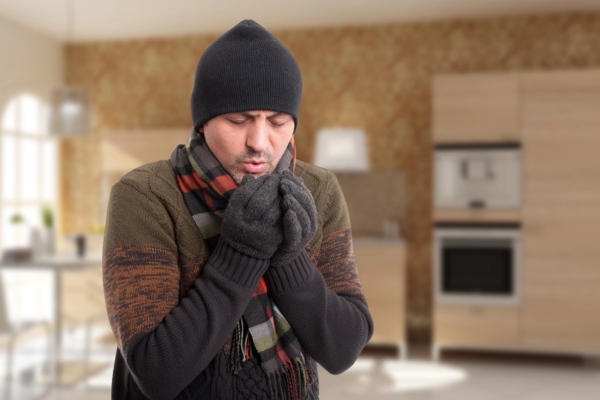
x: 249, y: 142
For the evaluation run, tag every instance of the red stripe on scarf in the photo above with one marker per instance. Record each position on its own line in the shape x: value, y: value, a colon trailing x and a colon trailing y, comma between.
x: 223, y: 184
x: 187, y: 183
x: 261, y: 288
x: 282, y: 356
x: 209, y: 202
x: 248, y: 354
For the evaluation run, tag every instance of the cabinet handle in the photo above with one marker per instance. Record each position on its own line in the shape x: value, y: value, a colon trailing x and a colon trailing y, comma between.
x: 476, y: 310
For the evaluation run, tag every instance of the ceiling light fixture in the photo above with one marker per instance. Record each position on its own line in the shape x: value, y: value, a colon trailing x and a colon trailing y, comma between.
x: 69, y: 105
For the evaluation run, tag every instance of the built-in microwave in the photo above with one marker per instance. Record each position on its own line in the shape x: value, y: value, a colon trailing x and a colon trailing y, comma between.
x: 477, y: 175
x: 477, y: 263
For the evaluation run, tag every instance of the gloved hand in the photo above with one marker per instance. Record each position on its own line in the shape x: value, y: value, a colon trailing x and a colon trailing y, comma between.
x: 299, y: 218
x: 252, y: 220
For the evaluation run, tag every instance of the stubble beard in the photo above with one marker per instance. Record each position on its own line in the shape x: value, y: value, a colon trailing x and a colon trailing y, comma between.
x: 237, y: 170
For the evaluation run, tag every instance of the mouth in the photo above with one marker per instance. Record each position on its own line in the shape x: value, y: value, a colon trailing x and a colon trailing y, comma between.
x: 255, y: 166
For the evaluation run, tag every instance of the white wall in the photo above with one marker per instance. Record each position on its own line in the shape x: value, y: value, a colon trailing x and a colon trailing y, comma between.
x: 29, y: 62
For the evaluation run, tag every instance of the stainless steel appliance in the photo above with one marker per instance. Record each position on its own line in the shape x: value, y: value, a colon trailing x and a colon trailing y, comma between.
x: 477, y: 263
x: 477, y: 175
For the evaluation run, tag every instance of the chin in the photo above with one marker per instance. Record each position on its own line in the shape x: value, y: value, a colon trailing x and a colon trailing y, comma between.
x: 238, y: 175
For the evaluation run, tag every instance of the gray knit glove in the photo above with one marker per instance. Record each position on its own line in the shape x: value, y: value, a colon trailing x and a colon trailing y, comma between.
x: 252, y: 220
x: 299, y: 218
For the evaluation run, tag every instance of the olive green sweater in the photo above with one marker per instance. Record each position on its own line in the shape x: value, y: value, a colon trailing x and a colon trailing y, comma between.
x: 173, y: 306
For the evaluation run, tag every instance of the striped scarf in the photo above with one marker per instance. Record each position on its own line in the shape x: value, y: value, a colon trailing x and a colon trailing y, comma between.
x: 206, y: 188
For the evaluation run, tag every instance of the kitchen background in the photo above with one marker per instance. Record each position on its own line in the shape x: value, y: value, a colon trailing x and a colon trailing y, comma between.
x: 375, y: 76
x: 378, y: 78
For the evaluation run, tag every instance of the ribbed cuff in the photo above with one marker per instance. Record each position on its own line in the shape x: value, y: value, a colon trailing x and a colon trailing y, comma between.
x: 291, y: 275
x: 238, y: 267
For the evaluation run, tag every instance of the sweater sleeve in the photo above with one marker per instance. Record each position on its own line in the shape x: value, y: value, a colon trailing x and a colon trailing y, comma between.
x: 167, y: 341
x: 326, y: 306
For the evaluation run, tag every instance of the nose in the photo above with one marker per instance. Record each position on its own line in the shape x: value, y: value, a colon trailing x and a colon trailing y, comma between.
x: 258, y: 135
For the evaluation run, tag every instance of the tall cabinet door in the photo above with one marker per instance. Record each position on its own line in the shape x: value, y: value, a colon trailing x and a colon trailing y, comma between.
x: 478, y: 108
x: 561, y: 213
x: 382, y: 272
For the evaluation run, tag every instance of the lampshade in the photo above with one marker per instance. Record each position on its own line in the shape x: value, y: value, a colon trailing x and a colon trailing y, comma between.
x: 69, y: 112
x: 342, y: 149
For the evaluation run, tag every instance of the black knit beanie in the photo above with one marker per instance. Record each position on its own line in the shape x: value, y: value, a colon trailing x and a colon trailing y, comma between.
x: 246, y: 69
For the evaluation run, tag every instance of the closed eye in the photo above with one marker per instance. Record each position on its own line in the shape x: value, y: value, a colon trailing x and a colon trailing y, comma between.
x: 237, y: 121
x: 279, y: 120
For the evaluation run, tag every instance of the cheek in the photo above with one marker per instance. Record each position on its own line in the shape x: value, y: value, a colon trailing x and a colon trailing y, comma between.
x: 221, y: 146
x: 230, y: 153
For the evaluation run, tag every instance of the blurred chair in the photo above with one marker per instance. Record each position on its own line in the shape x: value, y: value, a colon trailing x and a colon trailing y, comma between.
x: 11, y: 332
x: 85, y: 292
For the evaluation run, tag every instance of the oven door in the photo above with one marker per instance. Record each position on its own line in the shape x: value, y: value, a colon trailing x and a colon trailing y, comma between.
x: 477, y: 264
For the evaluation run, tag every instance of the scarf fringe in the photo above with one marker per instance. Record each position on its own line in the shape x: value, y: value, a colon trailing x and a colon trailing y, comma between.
x: 237, y: 353
x: 291, y: 383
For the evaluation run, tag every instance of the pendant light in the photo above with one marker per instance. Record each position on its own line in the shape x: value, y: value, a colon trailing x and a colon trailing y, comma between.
x: 69, y: 105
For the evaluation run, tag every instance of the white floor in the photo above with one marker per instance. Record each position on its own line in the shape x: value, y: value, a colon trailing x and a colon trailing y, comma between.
x: 473, y: 378
x: 373, y: 377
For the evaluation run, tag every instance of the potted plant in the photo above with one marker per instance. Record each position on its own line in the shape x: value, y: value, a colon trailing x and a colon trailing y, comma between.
x: 48, y: 222
x: 19, y: 222
x: 16, y: 218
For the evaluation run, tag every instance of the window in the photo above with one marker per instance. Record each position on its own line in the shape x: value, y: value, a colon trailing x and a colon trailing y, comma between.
x: 28, y: 181
x: 28, y: 170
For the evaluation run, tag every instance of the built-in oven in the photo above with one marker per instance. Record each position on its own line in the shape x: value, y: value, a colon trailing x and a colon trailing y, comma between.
x: 477, y: 263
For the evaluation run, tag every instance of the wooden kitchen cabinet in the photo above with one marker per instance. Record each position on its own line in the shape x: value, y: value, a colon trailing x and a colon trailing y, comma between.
x: 381, y: 266
x: 476, y: 326
x: 476, y: 108
x: 561, y: 211
x: 560, y: 304
x: 558, y: 126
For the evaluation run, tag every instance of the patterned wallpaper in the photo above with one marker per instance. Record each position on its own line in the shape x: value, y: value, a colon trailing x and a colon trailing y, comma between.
x: 377, y: 78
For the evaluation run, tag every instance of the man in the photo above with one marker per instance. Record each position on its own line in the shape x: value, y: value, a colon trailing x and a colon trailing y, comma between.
x: 228, y: 269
